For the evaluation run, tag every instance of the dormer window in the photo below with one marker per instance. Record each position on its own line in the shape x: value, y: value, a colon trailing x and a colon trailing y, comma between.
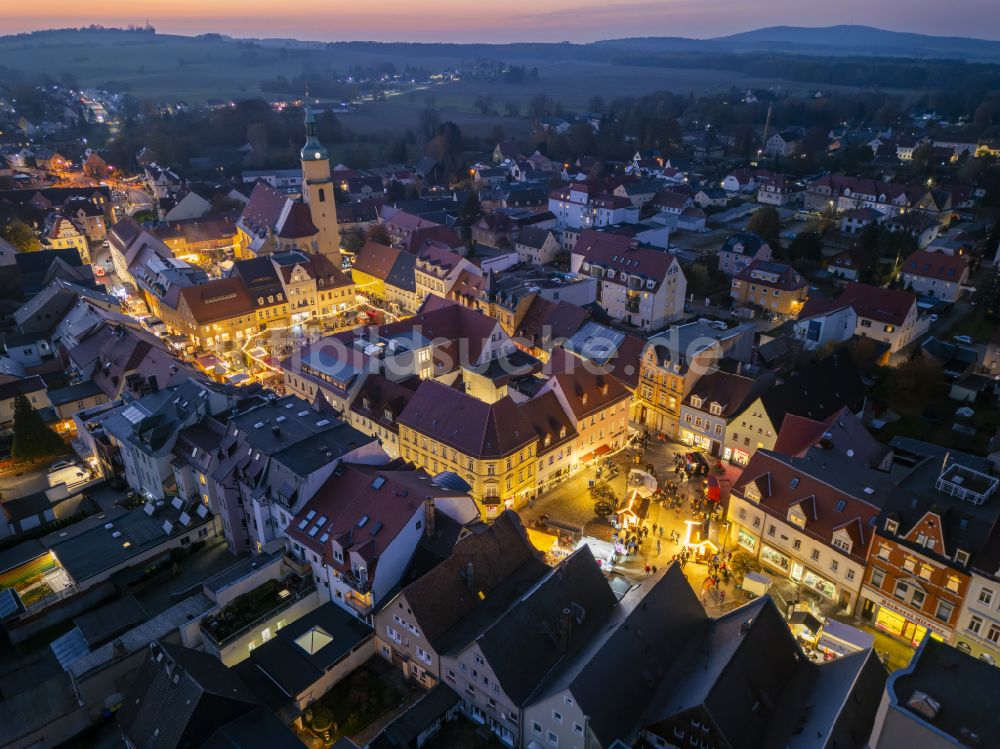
x: 387, y: 414
x: 366, y: 402
x: 548, y: 440
x: 715, y: 409
x: 611, y: 274
x: 583, y: 399
x: 695, y: 401
x: 891, y: 526
x: 562, y: 432
x: 962, y: 557
x: 842, y: 544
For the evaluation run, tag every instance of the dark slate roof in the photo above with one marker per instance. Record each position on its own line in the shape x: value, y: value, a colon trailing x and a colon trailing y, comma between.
x: 22, y: 386
x: 161, y: 713
x: 817, y: 390
x: 966, y: 688
x: 103, y: 623
x: 651, y: 627
x: 254, y: 730
x: 446, y: 602
x: 525, y: 644
x: 404, y: 731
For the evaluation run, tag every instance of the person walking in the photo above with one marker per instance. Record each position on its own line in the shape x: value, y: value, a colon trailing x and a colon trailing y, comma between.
x: 658, y: 547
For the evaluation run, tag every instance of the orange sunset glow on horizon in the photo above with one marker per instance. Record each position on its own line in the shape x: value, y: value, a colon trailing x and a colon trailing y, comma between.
x: 511, y: 21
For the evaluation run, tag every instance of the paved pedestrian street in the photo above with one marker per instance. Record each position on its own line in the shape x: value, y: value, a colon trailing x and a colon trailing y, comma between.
x: 570, y: 503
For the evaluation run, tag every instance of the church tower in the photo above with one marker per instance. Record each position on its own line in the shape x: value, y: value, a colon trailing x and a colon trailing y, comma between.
x: 318, y: 191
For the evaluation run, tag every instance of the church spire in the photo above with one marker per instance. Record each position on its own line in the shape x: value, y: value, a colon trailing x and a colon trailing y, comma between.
x: 313, y: 150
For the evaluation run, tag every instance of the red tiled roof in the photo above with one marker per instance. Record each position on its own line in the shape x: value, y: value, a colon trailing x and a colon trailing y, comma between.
x: 884, y: 305
x: 621, y: 253
x: 818, y: 306
x: 270, y: 210
x: 548, y: 418
x: 221, y: 299
x: 376, y: 259
x: 785, y: 482
x: 588, y: 389
x: 482, y: 430
x: 936, y: 265
x: 345, y: 499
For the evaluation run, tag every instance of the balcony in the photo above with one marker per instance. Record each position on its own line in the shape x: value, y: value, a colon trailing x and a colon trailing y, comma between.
x: 361, y: 603
x: 296, y: 565
x: 250, y: 610
x: 357, y: 584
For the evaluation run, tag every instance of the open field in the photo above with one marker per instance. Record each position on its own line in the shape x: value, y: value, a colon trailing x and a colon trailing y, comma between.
x: 167, y: 67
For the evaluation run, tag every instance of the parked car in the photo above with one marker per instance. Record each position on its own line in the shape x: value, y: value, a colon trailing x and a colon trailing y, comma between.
x: 69, y: 473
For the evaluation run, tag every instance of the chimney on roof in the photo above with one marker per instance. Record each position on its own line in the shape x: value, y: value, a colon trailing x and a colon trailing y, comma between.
x: 276, y: 431
x: 565, y: 629
x: 429, y: 511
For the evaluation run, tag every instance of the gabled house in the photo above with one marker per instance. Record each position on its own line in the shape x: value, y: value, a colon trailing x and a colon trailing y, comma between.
x: 716, y: 398
x: 811, y: 519
x: 774, y: 288
x: 743, y: 673
x: 636, y: 285
x: 741, y: 249
x: 887, y: 315
x: 929, y: 536
x: 824, y: 321
x: 499, y: 671
x: 816, y: 391
x: 360, y: 529
x: 445, y: 609
x: 936, y: 274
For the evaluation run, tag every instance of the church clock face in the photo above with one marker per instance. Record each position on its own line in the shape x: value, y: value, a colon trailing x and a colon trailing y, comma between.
x: 317, y: 154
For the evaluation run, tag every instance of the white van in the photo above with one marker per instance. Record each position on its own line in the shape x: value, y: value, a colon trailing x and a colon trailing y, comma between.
x: 69, y: 473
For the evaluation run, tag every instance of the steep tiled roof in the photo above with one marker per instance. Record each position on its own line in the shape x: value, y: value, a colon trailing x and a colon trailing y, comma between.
x: 884, y: 305
x: 819, y: 484
x: 548, y: 418
x: 619, y: 253
x: 523, y: 645
x: 786, y: 277
x: 731, y: 391
x: 364, y: 508
x: 376, y: 259
x: 486, y: 571
x: 588, y: 389
x: 936, y: 265
x: 482, y: 430
x: 221, y: 299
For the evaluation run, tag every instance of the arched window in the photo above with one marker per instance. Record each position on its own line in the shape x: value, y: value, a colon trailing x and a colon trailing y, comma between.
x: 322, y: 195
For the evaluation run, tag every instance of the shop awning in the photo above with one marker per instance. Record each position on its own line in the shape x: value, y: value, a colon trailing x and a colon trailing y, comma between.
x: 542, y: 541
x: 596, y: 453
